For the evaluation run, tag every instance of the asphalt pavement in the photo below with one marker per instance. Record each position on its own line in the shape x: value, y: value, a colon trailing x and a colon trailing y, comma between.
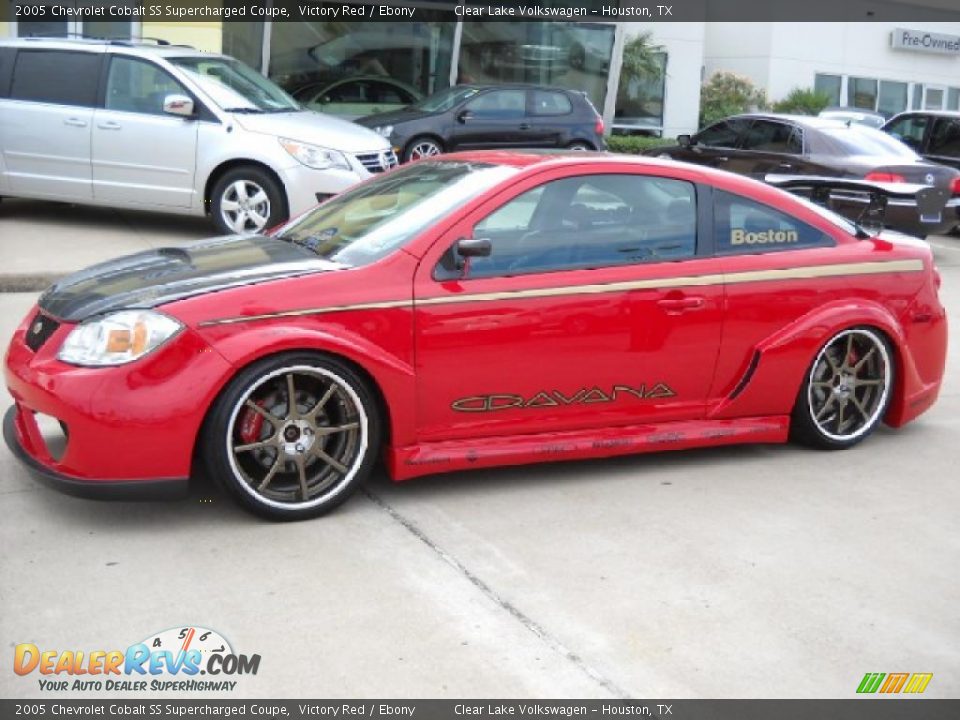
x: 756, y: 571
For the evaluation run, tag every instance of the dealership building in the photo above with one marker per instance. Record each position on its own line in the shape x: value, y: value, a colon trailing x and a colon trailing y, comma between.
x: 882, y: 66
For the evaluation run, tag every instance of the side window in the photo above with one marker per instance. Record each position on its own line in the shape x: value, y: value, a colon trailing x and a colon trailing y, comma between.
x: 139, y: 86
x: 768, y: 136
x: 744, y: 226
x: 499, y: 105
x: 57, y: 77
x: 348, y: 92
x: 724, y: 134
x: 945, y: 139
x: 548, y: 102
x: 390, y: 94
x: 590, y: 221
x: 909, y: 130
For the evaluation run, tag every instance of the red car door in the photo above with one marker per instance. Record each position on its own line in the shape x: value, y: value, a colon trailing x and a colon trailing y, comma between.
x: 593, y: 309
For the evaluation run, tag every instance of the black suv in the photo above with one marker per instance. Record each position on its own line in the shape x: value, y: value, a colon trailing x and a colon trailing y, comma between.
x: 934, y: 134
x: 467, y: 117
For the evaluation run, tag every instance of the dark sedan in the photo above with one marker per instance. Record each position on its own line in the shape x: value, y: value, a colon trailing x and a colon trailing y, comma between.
x: 934, y: 134
x: 758, y: 145
x: 501, y: 116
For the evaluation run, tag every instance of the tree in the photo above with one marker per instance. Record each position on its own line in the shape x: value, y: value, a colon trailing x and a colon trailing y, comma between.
x: 726, y: 93
x: 642, y: 66
x: 803, y: 101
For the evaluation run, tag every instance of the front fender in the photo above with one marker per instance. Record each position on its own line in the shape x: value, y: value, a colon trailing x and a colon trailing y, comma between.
x: 771, y: 384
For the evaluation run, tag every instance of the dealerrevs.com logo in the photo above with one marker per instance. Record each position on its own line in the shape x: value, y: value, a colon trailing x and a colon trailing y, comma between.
x: 175, y: 660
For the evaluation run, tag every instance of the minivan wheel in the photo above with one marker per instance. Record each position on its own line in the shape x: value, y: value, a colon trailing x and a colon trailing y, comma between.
x: 580, y: 146
x: 846, y: 392
x: 293, y: 436
x: 422, y: 147
x: 247, y: 200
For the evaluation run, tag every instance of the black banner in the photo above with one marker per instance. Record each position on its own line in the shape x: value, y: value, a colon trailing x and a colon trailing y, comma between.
x: 474, y: 10
x: 860, y: 709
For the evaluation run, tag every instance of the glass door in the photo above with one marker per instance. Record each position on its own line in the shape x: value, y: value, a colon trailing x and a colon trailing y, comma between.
x: 934, y: 97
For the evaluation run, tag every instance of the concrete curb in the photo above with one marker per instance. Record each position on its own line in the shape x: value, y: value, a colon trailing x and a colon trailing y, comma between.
x: 21, y: 282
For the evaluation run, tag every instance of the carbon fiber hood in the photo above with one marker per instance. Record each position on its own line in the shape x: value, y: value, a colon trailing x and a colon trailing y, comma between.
x: 155, y: 277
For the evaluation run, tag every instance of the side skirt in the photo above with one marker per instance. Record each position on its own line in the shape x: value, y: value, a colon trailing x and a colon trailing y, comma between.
x: 412, y: 461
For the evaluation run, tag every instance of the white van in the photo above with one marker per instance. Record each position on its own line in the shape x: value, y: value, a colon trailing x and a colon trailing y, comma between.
x: 167, y: 128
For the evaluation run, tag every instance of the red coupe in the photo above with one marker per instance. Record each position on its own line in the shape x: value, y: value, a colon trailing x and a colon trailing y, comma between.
x: 475, y: 310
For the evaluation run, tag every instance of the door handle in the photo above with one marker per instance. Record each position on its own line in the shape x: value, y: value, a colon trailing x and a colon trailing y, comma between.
x: 785, y: 166
x: 109, y: 125
x: 524, y: 126
x: 679, y: 305
x: 75, y: 122
x: 723, y: 158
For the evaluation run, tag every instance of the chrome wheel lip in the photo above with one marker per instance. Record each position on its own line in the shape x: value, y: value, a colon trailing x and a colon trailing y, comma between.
x: 881, y: 403
x: 236, y: 219
x: 337, y: 488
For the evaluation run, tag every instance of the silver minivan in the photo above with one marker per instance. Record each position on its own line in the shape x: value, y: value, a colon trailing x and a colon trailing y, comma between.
x: 168, y: 128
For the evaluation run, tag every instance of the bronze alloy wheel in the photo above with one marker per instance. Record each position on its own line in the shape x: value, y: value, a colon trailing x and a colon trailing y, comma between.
x: 847, y: 390
x: 292, y: 436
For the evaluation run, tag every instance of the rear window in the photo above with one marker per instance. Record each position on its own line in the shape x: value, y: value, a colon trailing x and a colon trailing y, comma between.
x: 56, y: 76
x: 746, y: 227
x: 858, y: 140
x: 546, y: 102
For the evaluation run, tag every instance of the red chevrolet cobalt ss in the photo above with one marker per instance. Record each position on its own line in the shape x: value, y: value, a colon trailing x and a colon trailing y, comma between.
x: 476, y: 310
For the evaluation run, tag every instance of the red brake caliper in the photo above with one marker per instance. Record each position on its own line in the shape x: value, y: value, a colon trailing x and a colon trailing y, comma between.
x: 251, y: 424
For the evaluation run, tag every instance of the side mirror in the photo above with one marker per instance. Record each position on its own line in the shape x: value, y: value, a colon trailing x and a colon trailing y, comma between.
x: 179, y: 105
x: 684, y: 141
x: 474, y: 247
x: 463, y: 116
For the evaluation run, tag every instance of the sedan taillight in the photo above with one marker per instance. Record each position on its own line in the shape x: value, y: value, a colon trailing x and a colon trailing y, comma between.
x: 955, y: 186
x: 599, y: 127
x: 884, y: 177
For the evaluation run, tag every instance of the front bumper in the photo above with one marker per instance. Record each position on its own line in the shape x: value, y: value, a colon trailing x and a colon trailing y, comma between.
x: 305, y: 186
x: 165, y: 489
x: 127, y: 425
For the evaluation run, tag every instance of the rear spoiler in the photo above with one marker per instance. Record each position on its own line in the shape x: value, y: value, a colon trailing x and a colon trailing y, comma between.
x: 930, y: 200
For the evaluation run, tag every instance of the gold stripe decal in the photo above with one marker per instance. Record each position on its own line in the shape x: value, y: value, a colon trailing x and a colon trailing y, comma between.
x: 748, y: 276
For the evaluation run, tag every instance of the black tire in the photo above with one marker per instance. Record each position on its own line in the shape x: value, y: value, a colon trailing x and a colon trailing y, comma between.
x: 412, y: 150
x: 846, y: 390
x: 282, y: 465
x: 581, y: 145
x: 252, y: 215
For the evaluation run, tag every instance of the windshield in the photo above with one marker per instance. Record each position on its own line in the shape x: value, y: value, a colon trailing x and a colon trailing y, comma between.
x: 446, y: 99
x: 371, y: 221
x: 859, y: 140
x: 235, y: 87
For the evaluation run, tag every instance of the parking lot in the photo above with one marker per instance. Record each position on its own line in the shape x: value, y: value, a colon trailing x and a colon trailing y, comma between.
x: 756, y: 571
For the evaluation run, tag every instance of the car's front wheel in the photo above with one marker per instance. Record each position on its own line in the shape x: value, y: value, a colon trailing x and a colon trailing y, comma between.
x: 846, y: 391
x: 293, y: 436
x: 247, y: 200
x: 422, y: 147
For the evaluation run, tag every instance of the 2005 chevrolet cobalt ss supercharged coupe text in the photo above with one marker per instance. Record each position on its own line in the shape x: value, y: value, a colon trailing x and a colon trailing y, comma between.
x: 477, y: 310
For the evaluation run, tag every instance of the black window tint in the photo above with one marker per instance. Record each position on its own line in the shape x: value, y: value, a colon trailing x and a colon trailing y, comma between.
x: 768, y: 136
x: 723, y: 134
x: 945, y: 139
x: 745, y: 227
x: 6, y: 70
x: 589, y: 222
x: 909, y: 130
x: 547, y: 102
x: 500, y: 104
x: 55, y: 76
x: 139, y: 86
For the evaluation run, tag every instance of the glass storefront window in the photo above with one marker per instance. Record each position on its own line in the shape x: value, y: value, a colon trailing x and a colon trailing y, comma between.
x: 640, y: 98
x: 862, y: 93
x: 953, y: 99
x: 572, y: 55
x: 892, y: 99
x: 244, y: 41
x: 828, y: 85
x: 410, y: 60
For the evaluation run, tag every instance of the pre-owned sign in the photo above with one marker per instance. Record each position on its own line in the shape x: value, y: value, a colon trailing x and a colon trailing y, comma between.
x: 922, y: 41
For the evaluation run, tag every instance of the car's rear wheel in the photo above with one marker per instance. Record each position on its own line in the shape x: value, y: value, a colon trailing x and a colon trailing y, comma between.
x: 422, y: 147
x: 579, y: 145
x: 293, y: 436
x: 846, y: 392
x: 247, y: 200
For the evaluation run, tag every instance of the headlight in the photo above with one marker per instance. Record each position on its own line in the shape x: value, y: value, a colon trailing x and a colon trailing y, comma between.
x: 384, y: 130
x: 314, y: 156
x: 118, y: 338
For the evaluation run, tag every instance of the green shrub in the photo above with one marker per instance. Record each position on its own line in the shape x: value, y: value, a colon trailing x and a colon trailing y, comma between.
x: 635, y: 144
x: 725, y: 94
x: 803, y: 101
